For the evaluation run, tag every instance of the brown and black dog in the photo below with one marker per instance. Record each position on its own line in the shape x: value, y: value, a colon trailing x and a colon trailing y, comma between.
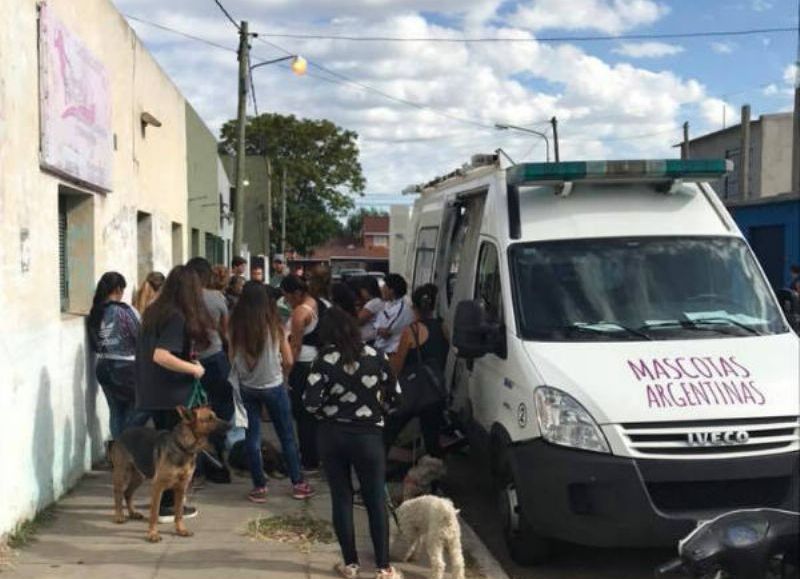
x: 166, y: 457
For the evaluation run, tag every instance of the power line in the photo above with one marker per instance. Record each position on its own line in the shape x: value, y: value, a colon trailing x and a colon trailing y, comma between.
x: 180, y: 33
x: 227, y: 14
x: 542, y: 39
x: 379, y: 92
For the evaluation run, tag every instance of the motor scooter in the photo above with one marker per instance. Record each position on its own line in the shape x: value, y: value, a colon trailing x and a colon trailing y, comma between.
x: 743, y: 544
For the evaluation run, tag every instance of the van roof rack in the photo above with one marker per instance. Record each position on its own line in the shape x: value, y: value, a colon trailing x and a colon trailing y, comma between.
x: 476, y: 162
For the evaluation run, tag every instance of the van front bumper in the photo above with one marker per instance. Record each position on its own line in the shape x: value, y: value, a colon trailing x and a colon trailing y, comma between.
x: 610, y: 501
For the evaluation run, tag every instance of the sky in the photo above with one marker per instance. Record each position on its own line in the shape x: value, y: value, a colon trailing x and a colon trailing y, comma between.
x: 421, y: 109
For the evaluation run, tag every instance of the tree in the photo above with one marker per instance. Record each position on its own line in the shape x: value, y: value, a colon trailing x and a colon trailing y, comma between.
x: 322, y: 168
x: 355, y: 221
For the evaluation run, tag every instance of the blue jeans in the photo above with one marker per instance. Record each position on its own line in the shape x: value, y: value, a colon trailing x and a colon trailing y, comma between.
x: 113, y: 377
x: 277, y: 402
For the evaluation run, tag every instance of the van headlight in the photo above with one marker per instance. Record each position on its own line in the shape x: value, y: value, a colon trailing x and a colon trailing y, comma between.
x: 563, y: 421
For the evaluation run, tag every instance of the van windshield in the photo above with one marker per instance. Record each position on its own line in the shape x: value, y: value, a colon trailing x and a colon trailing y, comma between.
x: 654, y: 288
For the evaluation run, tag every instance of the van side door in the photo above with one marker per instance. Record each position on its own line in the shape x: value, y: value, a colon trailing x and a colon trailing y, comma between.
x: 486, y: 376
x: 455, y: 277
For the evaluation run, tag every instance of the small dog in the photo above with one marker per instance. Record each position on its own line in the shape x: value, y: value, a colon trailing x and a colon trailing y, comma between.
x: 166, y: 457
x: 422, y: 478
x: 434, y: 521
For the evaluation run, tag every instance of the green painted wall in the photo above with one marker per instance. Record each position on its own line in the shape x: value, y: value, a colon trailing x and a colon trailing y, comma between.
x: 201, y: 165
x: 254, y: 198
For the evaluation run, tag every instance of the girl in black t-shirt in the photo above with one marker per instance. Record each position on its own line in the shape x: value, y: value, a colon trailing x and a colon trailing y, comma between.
x: 174, y: 327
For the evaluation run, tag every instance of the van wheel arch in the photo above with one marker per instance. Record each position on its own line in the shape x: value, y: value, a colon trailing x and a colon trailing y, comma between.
x: 525, y: 546
x: 500, y: 465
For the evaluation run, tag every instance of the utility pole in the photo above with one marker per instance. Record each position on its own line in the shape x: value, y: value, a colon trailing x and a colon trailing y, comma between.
x: 244, y: 69
x: 268, y: 213
x: 685, y: 147
x: 554, y: 122
x: 744, y: 154
x: 283, y: 212
x: 796, y: 133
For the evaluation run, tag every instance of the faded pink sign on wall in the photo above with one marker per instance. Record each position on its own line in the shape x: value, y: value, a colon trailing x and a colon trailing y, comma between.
x: 76, y: 138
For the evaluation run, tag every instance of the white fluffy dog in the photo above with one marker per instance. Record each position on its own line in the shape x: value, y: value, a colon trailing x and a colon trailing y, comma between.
x: 433, y: 521
x: 421, y: 478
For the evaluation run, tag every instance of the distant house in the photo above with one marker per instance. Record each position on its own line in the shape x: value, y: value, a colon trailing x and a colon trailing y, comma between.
x: 370, y: 251
x: 375, y: 231
x: 769, y: 217
x: 770, y: 156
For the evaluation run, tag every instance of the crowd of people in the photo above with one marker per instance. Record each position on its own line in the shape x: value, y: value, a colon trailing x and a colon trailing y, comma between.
x: 335, y: 365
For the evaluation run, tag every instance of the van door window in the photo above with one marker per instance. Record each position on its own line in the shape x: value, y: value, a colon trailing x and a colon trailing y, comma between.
x: 426, y: 256
x: 487, y: 283
x: 457, y: 243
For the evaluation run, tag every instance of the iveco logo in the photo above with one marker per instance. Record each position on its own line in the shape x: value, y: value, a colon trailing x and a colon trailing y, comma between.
x: 720, y: 438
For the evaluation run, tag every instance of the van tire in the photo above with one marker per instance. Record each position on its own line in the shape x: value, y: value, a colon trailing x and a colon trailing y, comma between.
x: 526, y: 547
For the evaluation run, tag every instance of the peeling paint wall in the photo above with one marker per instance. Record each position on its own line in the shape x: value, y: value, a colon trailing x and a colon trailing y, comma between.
x: 53, y: 420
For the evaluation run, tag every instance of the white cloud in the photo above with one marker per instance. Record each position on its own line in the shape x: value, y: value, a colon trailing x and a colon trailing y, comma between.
x: 718, y: 113
x: 790, y: 74
x: 604, y: 110
x: 723, y: 47
x: 611, y: 16
x: 771, y: 90
x: 647, y: 49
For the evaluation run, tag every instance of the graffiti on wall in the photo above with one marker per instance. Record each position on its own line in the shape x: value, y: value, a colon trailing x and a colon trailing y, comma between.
x: 76, y: 137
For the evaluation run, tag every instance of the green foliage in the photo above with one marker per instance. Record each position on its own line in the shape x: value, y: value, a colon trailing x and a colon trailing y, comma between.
x: 322, y: 168
x: 25, y: 531
x: 355, y: 220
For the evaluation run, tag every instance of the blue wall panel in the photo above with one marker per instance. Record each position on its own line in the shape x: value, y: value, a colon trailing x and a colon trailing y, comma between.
x: 785, y: 213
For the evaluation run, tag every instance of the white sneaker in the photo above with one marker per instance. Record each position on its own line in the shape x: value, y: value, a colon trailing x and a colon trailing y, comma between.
x: 390, y: 573
x: 347, y: 571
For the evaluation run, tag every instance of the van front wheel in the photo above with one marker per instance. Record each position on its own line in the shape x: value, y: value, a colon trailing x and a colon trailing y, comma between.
x: 525, y: 546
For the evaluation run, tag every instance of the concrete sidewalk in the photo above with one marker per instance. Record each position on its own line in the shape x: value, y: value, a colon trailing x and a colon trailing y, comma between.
x: 82, y: 542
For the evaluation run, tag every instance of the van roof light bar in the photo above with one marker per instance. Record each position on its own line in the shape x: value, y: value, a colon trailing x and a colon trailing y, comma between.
x: 618, y: 171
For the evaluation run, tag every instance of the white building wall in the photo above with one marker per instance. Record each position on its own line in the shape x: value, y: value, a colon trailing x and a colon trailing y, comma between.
x: 226, y: 232
x: 399, y: 216
x: 53, y: 420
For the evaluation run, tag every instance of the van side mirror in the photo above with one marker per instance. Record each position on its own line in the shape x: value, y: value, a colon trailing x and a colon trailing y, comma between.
x: 473, y: 335
x: 790, y: 304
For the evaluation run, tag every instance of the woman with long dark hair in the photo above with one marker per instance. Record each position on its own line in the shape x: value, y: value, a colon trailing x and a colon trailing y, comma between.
x: 260, y: 360
x: 113, y: 328
x: 351, y: 390
x: 305, y: 341
x: 424, y: 340
x: 175, y: 327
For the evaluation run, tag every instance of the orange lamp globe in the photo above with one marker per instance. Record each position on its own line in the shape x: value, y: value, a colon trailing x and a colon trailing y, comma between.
x: 299, y: 65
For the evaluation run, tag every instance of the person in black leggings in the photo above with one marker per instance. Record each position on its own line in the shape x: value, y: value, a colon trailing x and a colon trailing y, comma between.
x: 351, y: 389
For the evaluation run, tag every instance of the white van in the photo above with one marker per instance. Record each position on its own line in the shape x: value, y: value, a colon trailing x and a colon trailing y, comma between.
x: 621, y: 362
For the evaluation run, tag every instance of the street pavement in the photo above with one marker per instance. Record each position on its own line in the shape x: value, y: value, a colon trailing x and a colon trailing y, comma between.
x: 82, y: 542
x: 470, y: 487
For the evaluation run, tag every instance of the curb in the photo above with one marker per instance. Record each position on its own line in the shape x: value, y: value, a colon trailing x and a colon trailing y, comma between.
x: 487, y: 564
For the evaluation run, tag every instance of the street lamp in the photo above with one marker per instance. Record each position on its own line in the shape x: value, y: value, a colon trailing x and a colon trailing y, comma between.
x: 505, y: 127
x: 299, y: 64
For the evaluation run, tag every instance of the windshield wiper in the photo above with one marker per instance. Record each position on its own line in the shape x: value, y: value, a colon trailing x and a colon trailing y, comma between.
x: 694, y: 324
x: 592, y: 327
x: 723, y: 320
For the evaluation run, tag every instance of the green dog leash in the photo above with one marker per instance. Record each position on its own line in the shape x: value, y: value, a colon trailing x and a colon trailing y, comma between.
x: 198, y: 397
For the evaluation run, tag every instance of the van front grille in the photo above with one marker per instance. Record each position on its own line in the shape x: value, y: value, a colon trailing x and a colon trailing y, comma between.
x: 722, y: 438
